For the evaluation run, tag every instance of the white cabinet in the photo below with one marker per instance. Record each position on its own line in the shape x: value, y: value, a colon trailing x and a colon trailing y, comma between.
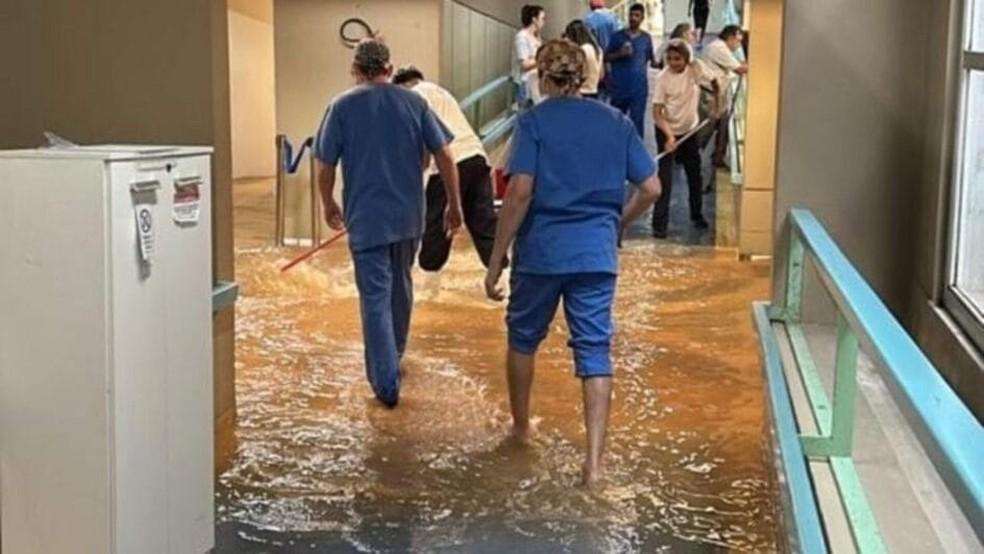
x: 106, y: 351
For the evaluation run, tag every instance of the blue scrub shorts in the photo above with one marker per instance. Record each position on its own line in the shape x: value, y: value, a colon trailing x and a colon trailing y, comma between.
x: 588, y: 299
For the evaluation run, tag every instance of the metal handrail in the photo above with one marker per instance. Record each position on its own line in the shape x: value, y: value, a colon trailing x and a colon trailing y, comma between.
x: 737, y: 128
x: 287, y: 164
x: 481, y: 92
x: 949, y: 432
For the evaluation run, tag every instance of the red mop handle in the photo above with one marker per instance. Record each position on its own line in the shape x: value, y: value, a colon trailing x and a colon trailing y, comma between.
x: 312, y: 251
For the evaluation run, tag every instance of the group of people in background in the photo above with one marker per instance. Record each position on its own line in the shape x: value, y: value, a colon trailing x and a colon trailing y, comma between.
x: 688, y: 92
x: 415, y: 171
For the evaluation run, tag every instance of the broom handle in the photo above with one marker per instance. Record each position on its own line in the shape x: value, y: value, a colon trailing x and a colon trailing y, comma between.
x: 685, y: 137
x: 312, y: 251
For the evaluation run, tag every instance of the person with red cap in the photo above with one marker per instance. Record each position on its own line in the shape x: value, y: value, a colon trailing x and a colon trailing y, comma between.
x: 602, y: 23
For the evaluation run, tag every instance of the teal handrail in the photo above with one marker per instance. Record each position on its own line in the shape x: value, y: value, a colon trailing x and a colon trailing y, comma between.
x: 949, y: 432
x: 947, y: 428
x: 481, y: 92
x: 804, y: 528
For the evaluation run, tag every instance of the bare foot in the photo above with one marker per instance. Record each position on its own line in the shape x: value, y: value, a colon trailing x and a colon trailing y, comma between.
x: 524, y: 435
x: 593, y: 477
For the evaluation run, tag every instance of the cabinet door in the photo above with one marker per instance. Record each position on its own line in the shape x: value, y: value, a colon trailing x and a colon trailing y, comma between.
x: 139, y: 386
x: 186, y: 263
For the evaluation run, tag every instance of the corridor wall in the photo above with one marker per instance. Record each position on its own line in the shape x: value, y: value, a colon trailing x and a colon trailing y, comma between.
x: 865, y: 141
x: 313, y: 65
x: 559, y: 12
x: 475, y: 49
x: 252, y: 88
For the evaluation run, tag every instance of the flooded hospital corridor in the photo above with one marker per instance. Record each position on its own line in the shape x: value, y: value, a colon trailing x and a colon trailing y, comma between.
x: 322, y: 466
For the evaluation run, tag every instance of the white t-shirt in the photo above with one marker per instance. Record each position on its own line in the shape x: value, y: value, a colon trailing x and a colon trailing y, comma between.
x: 525, y: 46
x: 593, y: 70
x: 722, y: 63
x: 466, y: 143
x: 679, y: 93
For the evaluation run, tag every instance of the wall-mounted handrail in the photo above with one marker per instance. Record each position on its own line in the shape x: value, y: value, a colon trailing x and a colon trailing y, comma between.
x: 948, y: 431
x: 291, y: 162
x: 287, y: 164
x: 481, y: 92
x: 737, y: 128
x: 801, y: 510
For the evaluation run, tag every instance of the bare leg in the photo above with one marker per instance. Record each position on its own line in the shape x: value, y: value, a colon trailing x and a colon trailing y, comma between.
x: 519, y: 369
x: 597, y: 403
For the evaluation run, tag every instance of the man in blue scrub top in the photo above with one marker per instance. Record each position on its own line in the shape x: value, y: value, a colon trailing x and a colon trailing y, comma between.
x: 631, y: 54
x: 382, y: 134
x: 569, y: 163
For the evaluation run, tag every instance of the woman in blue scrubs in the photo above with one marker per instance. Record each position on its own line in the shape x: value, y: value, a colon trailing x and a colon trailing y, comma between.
x: 563, y: 214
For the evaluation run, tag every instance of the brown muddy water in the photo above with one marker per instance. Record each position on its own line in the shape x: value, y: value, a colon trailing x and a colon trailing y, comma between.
x: 320, y: 466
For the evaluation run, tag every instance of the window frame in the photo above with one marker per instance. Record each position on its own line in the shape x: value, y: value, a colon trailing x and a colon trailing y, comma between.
x: 964, y: 311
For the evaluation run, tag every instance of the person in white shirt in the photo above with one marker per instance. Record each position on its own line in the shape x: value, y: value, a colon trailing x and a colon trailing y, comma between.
x: 676, y: 101
x: 525, y: 46
x: 719, y: 56
x: 473, y: 169
x: 594, y: 68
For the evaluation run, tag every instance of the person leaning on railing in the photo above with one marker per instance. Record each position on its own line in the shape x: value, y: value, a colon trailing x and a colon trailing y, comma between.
x: 569, y: 162
x: 720, y: 57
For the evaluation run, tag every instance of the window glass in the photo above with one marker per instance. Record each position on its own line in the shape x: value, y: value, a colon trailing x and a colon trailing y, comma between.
x: 969, y: 278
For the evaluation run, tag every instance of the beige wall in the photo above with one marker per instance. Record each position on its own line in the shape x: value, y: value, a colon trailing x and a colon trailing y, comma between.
x: 559, y: 12
x: 865, y: 141
x: 252, y: 88
x: 765, y: 22
x: 312, y: 65
x: 476, y: 49
x: 88, y: 72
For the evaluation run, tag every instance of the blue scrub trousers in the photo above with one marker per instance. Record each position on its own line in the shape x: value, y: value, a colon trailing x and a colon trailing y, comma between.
x: 635, y: 108
x: 588, y: 299
x: 382, y: 275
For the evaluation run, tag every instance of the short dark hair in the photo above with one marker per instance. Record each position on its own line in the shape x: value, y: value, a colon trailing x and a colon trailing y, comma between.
x: 729, y: 31
x: 406, y: 74
x: 372, y: 58
x: 529, y: 13
x: 638, y: 7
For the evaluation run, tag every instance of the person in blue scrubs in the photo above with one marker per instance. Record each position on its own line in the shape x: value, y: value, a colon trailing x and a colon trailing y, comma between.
x: 602, y: 22
x: 568, y: 166
x: 631, y: 54
x: 382, y: 134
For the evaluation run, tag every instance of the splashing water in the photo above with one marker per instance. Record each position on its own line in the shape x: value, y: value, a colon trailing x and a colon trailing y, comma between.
x: 321, y: 464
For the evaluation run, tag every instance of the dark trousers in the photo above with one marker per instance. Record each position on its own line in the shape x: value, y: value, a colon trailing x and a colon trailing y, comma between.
x: 635, y: 108
x: 701, y: 14
x: 688, y: 154
x: 479, y: 211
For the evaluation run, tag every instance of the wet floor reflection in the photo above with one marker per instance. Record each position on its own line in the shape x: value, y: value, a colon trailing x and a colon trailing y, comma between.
x: 321, y: 466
